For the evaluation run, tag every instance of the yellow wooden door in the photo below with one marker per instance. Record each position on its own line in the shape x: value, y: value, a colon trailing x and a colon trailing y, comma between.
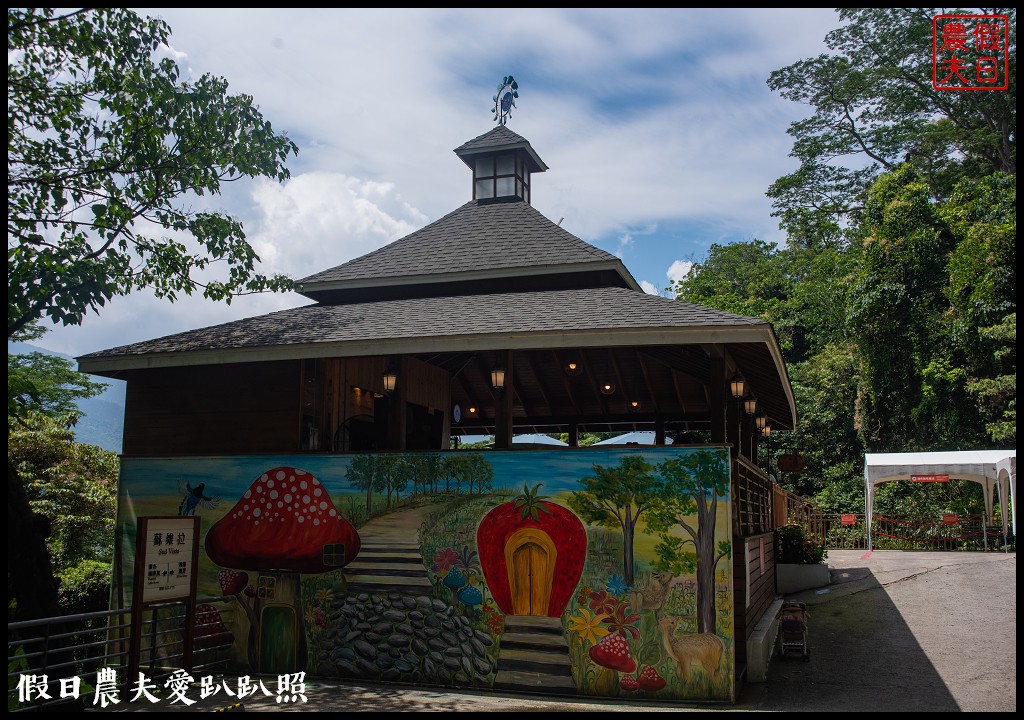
x: 530, y: 556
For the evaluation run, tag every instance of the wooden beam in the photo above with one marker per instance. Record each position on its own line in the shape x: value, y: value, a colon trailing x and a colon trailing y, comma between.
x: 531, y: 360
x: 647, y: 380
x: 560, y: 361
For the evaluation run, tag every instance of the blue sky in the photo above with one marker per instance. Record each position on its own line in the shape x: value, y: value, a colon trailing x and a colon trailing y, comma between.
x: 657, y: 124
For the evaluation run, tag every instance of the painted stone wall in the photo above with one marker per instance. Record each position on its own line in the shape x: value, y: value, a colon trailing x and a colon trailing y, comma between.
x: 600, y: 572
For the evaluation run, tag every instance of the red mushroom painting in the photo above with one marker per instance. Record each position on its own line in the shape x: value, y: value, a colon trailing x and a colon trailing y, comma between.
x: 284, y: 525
x: 532, y: 553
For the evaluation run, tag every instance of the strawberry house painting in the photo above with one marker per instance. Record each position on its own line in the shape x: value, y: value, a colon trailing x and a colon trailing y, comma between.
x: 583, y: 571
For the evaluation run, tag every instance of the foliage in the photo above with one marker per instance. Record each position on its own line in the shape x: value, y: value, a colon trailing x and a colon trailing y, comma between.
x: 47, y: 384
x: 687, y: 501
x: 72, y: 484
x: 108, y: 149
x: 85, y: 587
x: 616, y: 497
x: 793, y: 547
x: 874, y: 107
x: 530, y: 504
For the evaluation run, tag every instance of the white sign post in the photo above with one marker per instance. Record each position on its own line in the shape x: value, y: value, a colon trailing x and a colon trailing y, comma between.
x: 166, y: 554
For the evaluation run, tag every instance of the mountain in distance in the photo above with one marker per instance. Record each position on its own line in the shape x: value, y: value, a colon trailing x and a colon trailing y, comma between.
x: 102, y: 420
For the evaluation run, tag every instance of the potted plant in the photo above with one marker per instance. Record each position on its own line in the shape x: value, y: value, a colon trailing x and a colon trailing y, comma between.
x: 800, y: 561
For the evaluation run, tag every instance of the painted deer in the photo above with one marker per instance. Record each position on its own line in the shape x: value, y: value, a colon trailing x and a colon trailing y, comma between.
x: 652, y: 596
x: 704, y: 649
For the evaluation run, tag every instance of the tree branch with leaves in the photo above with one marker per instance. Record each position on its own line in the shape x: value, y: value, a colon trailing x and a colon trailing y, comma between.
x: 108, y: 153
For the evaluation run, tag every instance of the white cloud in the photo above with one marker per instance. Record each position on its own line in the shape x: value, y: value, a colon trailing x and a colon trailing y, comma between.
x: 678, y: 270
x: 649, y: 288
x: 658, y: 126
x: 317, y: 220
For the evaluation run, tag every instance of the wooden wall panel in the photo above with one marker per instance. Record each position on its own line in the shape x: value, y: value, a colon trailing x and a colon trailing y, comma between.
x: 753, y: 585
x: 213, y: 409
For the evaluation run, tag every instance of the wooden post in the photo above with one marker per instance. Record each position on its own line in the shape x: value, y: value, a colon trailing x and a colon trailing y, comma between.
x: 574, y: 435
x: 503, y: 412
x: 396, y: 407
x: 719, y: 398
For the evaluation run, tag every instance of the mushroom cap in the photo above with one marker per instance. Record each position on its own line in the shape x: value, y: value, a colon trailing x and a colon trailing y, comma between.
x: 454, y: 579
x: 470, y: 595
x: 613, y: 652
x: 232, y: 582
x: 285, y: 521
x: 210, y: 629
x: 650, y: 679
x: 628, y: 682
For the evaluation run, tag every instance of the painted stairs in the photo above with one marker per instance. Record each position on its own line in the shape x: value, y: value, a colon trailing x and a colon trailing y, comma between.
x: 388, y: 567
x: 534, y: 656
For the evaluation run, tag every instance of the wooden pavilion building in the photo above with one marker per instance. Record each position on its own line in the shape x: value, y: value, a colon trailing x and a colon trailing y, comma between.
x: 492, y: 319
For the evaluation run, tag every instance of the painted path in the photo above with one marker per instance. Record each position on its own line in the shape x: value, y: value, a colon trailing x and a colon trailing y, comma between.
x: 389, y: 559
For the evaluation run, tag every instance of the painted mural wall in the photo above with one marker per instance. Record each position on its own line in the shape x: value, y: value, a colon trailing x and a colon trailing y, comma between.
x: 601, y: 572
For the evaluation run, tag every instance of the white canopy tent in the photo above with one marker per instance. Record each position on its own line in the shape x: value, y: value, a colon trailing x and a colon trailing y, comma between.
x: 996, y: 470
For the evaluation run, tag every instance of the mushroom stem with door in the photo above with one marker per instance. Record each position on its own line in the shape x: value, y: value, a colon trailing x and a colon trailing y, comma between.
x: 284, y: 525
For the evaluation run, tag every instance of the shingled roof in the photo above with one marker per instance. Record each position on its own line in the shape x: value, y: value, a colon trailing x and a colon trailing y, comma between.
x: 480, y: 240
x: 541, y: 321
x: 511, y: 319
x: 500, y: 138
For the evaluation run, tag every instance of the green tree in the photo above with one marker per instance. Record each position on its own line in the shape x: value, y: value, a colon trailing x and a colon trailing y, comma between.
x: 689, y: 489
x: 108, y: 153
x: 48, y: 384
x: 68, y: 492
x: 74, y: 485
x: 982, y: 292
x: 875, y: 108
x: 896, y: 318
x: 616, y: 497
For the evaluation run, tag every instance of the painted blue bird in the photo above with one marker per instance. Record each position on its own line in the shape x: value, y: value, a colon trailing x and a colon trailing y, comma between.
x: 194, y: 497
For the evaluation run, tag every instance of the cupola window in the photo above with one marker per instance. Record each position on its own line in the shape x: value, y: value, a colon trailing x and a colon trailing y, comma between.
x: 501, y: 176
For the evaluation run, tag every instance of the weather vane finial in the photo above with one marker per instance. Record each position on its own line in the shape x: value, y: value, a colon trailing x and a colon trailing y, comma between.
x: 505, y: 100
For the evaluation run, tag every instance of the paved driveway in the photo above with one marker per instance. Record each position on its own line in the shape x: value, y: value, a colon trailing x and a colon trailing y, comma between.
x: 896, y: 631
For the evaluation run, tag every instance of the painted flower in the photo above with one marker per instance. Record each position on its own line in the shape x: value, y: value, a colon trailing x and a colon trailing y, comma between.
x: 622, y: 621
x: 467, y: 559
x: 589, y: 627
x: 617, y: 585
x: 602, y: 602
x: 323, y: 597
x: 444, y: 560
x: 494, y: 620
x: 584, y: 594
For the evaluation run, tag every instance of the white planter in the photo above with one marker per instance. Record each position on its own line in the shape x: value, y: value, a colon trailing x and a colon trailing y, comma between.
x: 794, y: 578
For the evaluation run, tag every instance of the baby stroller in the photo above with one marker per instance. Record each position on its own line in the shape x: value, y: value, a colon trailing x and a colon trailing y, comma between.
x: 793, y: 630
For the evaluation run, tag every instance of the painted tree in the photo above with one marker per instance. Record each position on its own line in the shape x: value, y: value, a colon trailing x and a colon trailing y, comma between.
x: 616, y: 497
x: 689, y: 489
x: 481, y: 472
x: 362, y: 475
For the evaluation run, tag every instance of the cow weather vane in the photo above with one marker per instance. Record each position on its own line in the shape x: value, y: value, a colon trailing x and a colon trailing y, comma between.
x: 505, y: 100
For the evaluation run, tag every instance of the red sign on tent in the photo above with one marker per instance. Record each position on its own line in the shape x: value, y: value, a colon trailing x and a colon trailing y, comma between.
x: 929, y: 478
x: 950, y: 518
x: 848, y: 519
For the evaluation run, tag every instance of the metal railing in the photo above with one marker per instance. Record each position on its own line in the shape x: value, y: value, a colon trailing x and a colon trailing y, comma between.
x: 848, y: 531
x: 42, y: 653
x: 914, y: 532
